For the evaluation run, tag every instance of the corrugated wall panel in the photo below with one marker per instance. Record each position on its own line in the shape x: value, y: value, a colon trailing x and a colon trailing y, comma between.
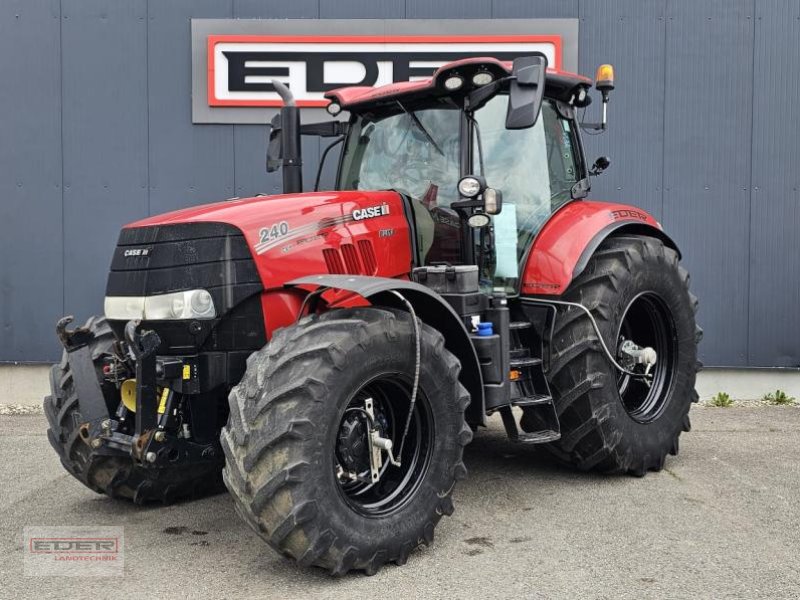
x: 361, y: 9
x: 448, y: 9
x: 188, y: 164
x: 276, y: 9
x: 105, y: 138
x: 680, y: 142
x: 708, y: 95
x: 31, y: 283
x: 775, y: 211
x: 541, y: 9
x: 630, y: 35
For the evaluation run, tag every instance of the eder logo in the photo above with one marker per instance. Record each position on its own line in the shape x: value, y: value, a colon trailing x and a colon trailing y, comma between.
x: 240, y: 67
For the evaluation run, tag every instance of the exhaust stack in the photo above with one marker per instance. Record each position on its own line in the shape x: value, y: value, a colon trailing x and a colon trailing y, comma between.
x: 291, y: 151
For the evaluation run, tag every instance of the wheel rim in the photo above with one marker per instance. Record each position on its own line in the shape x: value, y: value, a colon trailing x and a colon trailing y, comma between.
x: 391, y: 397
x: 647, y: 322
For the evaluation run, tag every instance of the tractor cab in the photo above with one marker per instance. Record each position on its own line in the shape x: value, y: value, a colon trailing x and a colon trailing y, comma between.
x: 483, y: 152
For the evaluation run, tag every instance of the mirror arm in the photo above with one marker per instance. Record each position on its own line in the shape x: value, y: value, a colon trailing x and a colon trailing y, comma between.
x: 325, y: 128
x: 603, y: 124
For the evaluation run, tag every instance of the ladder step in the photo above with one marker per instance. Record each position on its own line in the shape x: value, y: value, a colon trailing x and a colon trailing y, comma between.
x: 520, y: 363
x: 535, y: 400
x: 519, y: 353
x: 540, y: 437
x: 519, y: 324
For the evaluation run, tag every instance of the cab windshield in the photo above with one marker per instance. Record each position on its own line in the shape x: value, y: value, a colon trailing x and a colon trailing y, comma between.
x: 416, y: 153
x: 408, y: 152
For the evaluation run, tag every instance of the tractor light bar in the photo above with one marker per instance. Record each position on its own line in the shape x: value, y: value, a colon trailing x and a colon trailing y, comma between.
x: 189, y: 304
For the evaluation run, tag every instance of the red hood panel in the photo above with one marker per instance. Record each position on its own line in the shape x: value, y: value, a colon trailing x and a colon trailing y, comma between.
x: 292, y: 235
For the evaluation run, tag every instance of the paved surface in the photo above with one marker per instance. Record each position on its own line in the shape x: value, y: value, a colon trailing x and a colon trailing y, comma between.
x: 723, y: 520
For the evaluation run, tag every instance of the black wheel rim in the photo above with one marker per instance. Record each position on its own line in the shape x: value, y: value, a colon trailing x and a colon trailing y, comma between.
x: 391, y: 398
x: 647, y: 321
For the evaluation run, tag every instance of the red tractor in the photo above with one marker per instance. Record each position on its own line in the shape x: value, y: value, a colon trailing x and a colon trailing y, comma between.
x: 327, y: 355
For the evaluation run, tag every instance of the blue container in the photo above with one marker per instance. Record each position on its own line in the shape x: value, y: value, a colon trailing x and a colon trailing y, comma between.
x: 485, y: 329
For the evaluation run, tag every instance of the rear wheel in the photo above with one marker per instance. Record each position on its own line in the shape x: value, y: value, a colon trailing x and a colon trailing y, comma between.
x: 611, y: 421
x: 298, y: 460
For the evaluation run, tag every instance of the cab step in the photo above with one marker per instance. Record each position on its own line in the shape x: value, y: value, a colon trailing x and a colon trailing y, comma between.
x: 540, y: 437
x: 515, y: 435
x: 519, y: 353
x: 525, y: 361
x: 519, y: 325
x: 535, y: 400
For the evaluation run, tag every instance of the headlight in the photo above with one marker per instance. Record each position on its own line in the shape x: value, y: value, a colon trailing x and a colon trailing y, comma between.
x: 470, y: 186
x: 453, y: 82
x: 124, y: 307
x: 334, y: 108
x: 482, y: 78
x: 190, y: 304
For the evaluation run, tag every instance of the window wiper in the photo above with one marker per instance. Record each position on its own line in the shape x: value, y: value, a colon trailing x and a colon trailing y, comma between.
x: 419, y: 124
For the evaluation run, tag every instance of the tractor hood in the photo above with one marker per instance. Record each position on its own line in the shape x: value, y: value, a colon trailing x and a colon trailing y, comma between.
x: 288, y: 236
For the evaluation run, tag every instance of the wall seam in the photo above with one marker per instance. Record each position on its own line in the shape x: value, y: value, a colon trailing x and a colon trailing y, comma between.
x: 235, y: 191
x: 61, y: 128
x: 147, y: 93
x: 664, y: 118
x: 750, y: 185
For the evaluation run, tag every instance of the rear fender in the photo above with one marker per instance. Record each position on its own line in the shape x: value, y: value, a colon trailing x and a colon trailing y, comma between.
x: 567, y: 241
x: 432, y: 309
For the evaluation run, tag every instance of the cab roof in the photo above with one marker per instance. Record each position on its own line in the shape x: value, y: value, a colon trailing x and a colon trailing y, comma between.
x: 560, y: 85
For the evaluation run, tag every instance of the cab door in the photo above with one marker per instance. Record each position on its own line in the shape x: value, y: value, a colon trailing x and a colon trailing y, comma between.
x: 535, y: 169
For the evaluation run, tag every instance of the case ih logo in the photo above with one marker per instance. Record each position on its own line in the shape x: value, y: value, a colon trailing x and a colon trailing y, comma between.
x: 240, y: 67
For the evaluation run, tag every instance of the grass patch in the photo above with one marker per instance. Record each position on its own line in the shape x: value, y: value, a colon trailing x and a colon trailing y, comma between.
x: 779, y: 398
x: 721, y: 399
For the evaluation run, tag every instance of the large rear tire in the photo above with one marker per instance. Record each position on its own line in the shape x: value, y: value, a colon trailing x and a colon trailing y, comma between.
x: 109, y: 472
x: 293, y: 424
x: 635, y: 289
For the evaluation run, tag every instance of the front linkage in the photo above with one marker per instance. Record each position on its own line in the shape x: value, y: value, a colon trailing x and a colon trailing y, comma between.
x: 151, y: 421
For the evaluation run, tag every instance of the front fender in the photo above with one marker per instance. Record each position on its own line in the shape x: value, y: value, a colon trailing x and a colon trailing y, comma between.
x: 432, y: 309
x: 567, y: 241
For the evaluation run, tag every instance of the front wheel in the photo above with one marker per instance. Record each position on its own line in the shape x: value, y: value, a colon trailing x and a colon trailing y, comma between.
x: 298, y: 457
x: 625, y: 422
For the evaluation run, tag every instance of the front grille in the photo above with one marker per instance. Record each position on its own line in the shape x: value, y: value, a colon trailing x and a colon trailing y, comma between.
x: 211, y: 256
x: 170, y: 258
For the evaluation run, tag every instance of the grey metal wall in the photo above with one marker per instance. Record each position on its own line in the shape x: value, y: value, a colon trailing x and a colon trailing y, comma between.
x: 95, y: 131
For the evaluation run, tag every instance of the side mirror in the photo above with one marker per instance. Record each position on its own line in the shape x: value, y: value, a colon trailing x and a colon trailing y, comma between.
x: 600, y: 165
x: 274, y: 145
x: 526, y: 91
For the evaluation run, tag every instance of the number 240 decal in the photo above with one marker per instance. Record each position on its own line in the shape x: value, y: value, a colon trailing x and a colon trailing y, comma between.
x: 277, y: 230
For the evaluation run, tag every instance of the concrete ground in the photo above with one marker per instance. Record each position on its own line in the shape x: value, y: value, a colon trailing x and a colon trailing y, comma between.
x: 722, y: 520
